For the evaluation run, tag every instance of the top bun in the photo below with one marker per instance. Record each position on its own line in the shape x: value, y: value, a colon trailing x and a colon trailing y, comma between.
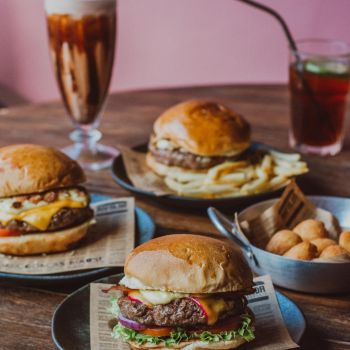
x: 204, y: 128
x: 30, y: 168
x: 187, y: 264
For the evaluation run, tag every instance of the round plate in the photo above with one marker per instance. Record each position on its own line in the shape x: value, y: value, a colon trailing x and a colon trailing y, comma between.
x: 71, y: 325
x: 145, y: 230
x: 235, y: 203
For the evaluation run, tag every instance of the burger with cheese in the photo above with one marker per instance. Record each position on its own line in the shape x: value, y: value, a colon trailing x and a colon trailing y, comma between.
x: 184, y: 292
x: 196, y: 135
x: 43, y: 208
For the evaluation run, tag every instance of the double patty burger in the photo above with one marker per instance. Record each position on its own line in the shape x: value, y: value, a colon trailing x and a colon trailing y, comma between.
x: 196, y: 135
x: 184, y: 292
x: 43, y: 208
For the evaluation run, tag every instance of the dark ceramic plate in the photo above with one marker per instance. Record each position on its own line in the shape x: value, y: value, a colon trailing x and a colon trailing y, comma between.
x: 145, y: 230
x: 71, y: 325
x: 234, y: 203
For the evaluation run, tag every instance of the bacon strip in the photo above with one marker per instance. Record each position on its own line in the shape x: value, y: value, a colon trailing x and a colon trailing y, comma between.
x: 123, y: 289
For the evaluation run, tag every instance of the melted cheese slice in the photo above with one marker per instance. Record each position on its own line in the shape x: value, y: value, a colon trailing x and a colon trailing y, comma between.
x: 137, y: 296
x: 41, y: 217
x: 159, y: 297
x: 213, y: 308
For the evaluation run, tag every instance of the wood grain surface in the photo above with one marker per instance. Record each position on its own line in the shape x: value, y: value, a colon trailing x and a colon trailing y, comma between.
x: 25, y: 313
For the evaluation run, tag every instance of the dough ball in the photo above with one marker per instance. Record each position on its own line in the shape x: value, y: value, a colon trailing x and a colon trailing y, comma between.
x: 311, y: 229
x: 344, y: 240
x: 322, y: 243
x: 282, y: 241
x: 332, y: 251
x: 302, y: 251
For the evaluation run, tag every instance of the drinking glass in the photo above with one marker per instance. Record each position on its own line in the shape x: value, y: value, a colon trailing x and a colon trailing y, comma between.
x: 319, y: 81
x: 82, y: 44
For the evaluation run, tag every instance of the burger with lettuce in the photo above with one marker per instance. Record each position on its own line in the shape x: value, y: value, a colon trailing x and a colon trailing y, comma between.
x: 184, y: 292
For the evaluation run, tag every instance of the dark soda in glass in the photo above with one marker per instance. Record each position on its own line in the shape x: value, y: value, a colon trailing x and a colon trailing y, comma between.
x: 319, y: 89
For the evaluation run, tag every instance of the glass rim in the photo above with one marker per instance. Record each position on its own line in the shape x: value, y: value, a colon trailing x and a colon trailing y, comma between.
x: 342, y: 43
x: 70, y: 1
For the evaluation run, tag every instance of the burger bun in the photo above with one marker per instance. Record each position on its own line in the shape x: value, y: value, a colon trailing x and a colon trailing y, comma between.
x: 187, y: 264
x: 38, y: 243
x: 28, y: 168
x: 192, y: 345
x: 204, y: 128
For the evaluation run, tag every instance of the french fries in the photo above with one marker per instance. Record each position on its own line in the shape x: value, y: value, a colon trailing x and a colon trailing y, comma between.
x: 232, y: 179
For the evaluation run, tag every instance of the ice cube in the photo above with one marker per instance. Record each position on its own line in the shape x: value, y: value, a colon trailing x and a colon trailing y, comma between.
x: 326, y: 67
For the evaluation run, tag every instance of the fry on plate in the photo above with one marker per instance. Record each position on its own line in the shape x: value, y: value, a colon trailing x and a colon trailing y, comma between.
x: 274, y: 170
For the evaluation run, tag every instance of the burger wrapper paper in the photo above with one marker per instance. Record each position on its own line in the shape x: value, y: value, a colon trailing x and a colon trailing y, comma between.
x: 292, y: 208
x: 270, y: 330
x: 109, y: 240
x: 141, y: 175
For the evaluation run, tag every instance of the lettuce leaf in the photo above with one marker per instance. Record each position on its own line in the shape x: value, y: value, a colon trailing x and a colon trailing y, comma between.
x: 179, y: 335
x: 114, y: 309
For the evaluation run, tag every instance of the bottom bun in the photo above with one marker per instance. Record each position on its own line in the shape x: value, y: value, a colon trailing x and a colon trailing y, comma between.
x: 38, y: 243
x: 193, y: 345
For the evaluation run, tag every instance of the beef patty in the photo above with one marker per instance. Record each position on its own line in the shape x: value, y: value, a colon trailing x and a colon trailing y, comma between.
x: 180, y: 312
x: 64, y: 218
x: 187, y: 160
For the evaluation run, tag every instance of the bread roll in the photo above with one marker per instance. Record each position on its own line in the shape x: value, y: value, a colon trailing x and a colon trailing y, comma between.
x: 332, y: 251
x: 344, y: 240
x: 187, y: 264
x: 38, y: 243
x: 322, y: 243
x: 282, y: 241
x: 302, y: 251
x: 204, y: 128
x: 311, y: 229
x: 192, y: 345
x: 28, y: 168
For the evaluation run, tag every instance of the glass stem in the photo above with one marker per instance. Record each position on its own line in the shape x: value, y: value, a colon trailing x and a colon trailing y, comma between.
x: 86, y: 138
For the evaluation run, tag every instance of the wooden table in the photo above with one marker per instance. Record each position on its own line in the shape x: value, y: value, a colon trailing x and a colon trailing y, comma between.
x: 25, y: 313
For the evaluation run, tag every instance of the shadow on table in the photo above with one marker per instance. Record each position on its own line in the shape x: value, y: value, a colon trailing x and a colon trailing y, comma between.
x: 312, y: 340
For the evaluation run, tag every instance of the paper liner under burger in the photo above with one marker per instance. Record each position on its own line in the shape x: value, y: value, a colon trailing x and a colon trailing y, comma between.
x: 107, y: 244
x: 292, y: 208
x: 141, y: 175
x: 271, y: 332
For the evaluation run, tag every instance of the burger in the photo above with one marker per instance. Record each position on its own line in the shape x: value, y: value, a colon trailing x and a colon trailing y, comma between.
x: 196, y: 135
x: 203, y: 149
x: 43, y: 208
x: 184, y: 292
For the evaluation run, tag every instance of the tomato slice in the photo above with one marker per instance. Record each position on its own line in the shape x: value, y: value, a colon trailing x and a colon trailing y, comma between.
x: 157, y: 332
x: 4, y: 232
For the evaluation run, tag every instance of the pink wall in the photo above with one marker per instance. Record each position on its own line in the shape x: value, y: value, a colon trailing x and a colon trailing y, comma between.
x: 173, y: 42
